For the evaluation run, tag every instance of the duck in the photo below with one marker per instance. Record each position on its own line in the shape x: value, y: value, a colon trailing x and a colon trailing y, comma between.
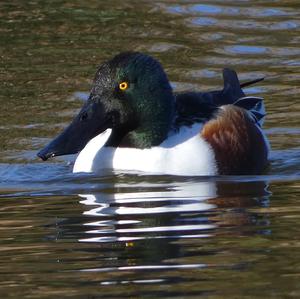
x: 133, y: 122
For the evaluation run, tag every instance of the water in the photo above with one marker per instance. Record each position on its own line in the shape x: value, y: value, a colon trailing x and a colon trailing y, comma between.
x: 119, y: 236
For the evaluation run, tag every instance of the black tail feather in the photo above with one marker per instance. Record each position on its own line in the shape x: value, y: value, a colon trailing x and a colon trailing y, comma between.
x: 230, y: 79
x: 251, y: 82
x: 232, y: 90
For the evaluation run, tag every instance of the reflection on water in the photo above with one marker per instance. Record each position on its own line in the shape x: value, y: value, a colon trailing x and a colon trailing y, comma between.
x: 124, y: 236
x: 185, y: 211
x: 157, y: 205
x: 155, y: 233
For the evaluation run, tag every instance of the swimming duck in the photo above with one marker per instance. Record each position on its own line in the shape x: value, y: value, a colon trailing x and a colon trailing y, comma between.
x: 133, y: 121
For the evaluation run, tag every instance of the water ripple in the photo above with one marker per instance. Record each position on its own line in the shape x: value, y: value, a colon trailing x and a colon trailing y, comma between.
x: 138, y: 236
x: 227, y: 10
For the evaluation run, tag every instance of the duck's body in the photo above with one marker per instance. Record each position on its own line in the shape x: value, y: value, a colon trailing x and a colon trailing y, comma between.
x: 177, y: 155
x: 143, y: 127
x: 194, y: 150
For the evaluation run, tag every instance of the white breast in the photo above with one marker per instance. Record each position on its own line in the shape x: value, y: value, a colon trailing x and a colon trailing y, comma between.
x: 183, y: 153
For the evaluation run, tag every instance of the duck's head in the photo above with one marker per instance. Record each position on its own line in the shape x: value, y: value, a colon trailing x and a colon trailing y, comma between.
x: 131, y: 94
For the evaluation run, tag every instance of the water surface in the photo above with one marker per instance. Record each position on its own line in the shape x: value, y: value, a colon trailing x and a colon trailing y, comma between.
x: 119, y: 236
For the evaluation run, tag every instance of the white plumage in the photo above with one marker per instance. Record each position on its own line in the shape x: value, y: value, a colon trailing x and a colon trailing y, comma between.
x: 182, y: 153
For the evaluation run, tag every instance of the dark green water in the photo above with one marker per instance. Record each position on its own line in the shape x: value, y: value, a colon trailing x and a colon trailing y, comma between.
x: 126, y: 236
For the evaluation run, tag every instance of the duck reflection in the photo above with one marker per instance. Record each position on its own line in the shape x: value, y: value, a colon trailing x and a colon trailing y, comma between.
x: 180, y: 210
x: 236, y: 203
x: 149, y: 211
x: 137, y: 227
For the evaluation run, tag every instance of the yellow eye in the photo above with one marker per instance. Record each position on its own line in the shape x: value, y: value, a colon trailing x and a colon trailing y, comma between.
x: 123, y: 85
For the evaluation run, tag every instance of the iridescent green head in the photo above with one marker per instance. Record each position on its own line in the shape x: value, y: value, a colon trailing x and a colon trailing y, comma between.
x: 132, y: 95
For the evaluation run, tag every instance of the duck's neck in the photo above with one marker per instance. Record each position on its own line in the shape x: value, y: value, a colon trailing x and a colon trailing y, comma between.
x: 151, y: 133
x: 154, y: 124
x: 146, y: 136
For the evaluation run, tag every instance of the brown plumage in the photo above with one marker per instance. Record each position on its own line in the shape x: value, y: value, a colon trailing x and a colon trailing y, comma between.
x: 237, y: 142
